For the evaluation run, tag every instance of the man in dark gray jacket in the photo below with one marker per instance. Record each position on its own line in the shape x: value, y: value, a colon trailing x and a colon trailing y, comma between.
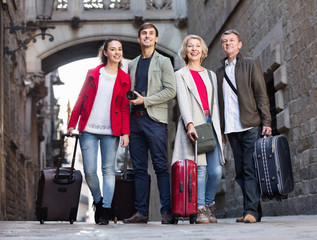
x: 245, y: 114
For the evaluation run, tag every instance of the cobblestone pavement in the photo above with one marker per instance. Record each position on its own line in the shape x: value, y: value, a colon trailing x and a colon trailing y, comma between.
x: 283, y: 227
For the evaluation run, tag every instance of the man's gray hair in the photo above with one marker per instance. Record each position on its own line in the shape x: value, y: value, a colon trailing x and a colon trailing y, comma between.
x: 231, y: 31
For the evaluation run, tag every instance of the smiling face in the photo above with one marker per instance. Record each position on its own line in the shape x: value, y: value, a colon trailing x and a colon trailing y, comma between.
x: 114, y: 52
x: 194, y: 50
x: 148, y: 37
x: 230, y: 44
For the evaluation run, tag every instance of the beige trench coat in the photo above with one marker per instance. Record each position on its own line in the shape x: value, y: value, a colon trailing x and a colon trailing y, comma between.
x: 191, y: 110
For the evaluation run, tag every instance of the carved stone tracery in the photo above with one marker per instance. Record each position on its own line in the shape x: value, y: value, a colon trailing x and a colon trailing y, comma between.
x: 106, y: 4
x: 159, y: 4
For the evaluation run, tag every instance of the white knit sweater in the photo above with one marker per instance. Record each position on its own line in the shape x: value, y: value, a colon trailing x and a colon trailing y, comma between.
x: 99, y: 119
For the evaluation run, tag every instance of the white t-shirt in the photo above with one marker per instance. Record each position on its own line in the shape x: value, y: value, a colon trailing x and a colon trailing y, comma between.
x: 99, y: 119
x: 231, y: 103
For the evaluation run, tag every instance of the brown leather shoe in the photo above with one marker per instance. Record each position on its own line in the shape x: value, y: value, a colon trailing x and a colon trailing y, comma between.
x: 240, y: 220
x: 136, y: 218
x: 249, y: 219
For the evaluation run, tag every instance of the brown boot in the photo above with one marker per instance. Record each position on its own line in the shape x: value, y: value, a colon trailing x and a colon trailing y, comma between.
x: 202, y: 216
x: 211, y: 213
x: 240, y: 220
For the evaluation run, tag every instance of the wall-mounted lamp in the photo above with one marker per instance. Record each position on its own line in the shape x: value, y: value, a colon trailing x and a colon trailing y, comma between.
x: 44, y: 10
x: 55, y: 80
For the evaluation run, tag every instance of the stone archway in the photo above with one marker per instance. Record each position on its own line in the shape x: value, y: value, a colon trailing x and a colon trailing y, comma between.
x: 87, y: 50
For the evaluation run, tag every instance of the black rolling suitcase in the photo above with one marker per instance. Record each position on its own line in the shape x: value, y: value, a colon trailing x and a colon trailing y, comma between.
x: 122, y: 205
x: 59, y: 191
x: 274, y: 167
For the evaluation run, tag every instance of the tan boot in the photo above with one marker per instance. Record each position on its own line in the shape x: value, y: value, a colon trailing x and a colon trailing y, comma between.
x: 211, y: 213
x: 202, y: 215
x: 249, y: 219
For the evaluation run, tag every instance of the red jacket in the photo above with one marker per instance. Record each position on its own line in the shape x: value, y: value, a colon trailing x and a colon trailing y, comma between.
x: 119, y: 109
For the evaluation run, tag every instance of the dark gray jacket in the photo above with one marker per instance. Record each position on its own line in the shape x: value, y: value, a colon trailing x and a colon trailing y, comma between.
x: 252, y: 96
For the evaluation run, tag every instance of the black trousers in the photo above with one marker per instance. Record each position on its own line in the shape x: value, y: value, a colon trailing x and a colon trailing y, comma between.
x: 242, y: 144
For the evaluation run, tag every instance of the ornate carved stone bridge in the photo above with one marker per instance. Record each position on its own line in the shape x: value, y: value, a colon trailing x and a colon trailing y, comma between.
x: 82, y: 26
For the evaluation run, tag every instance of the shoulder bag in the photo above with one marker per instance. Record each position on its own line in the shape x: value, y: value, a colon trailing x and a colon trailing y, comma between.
x: 206, y: 140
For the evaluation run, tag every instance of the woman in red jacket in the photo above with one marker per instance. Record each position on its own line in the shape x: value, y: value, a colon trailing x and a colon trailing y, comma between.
x: 104, y: 116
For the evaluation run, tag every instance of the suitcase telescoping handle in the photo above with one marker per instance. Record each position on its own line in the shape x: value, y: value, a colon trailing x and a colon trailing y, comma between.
x: 195, y: 150
x: 61, y: 154
x: 125, y: 164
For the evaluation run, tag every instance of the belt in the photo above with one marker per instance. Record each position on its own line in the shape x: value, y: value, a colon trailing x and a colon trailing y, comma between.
x: 139, y: 113
x: 207, y: 112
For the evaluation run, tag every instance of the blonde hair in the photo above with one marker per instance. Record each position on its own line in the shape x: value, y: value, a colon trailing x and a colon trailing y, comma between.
x: 183, y: 52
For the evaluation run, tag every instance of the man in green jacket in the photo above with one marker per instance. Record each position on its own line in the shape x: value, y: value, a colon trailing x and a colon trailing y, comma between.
x: 153, y: 82
x: 245, y: 114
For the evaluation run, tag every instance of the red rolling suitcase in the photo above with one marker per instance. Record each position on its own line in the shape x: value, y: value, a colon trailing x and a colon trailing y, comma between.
x: 184, y: 189
x: 274, y: 167
x: 59, y: 191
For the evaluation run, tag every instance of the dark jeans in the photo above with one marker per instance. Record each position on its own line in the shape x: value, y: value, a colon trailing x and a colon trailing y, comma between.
x: 146, y: 134
x: 242, y: 144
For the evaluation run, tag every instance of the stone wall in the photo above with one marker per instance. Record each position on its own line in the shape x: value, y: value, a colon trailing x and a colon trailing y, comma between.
x: 19, y: 143
x: 283, y: 36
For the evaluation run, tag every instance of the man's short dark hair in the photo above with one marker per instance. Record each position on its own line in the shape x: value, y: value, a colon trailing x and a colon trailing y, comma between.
x: 231, y: 31
x: 146, y: 26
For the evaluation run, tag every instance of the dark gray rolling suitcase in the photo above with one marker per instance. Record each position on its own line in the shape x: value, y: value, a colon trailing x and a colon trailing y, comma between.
x: 59, y: 191
x: 122, y: 205
x: 274, y: 167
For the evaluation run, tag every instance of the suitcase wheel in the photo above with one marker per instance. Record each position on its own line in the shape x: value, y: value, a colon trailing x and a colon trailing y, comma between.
x: 71, y: 221
x: 174, y: 220
x: 192, y: 219
x: 42, y: 221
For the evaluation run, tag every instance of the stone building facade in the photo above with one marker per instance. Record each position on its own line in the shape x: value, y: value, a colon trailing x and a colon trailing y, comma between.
x: 19, y: 131
x: 27, y: 137
x: 26, y: 120
x: 283, y: 36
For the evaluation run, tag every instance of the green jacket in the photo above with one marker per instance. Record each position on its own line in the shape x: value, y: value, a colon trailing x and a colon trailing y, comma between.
x: 161, y: 86
x: 252, y: 96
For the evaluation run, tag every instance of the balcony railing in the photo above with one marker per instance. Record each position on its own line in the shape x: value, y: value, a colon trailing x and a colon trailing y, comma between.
x: 119, y: 10
x: 117, y: 4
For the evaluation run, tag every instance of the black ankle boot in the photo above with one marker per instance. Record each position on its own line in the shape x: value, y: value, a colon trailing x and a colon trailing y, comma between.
x: 97, y: 207
x: 104, y: 216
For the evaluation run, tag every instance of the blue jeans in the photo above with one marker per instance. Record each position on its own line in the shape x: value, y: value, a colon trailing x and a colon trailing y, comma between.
x: 89, y: 149
x: 242, y: 144
x: 146, y: 134
x: 209, y: 177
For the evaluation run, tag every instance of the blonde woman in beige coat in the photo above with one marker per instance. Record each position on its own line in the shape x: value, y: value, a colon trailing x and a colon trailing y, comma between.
x: 194, y: 93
